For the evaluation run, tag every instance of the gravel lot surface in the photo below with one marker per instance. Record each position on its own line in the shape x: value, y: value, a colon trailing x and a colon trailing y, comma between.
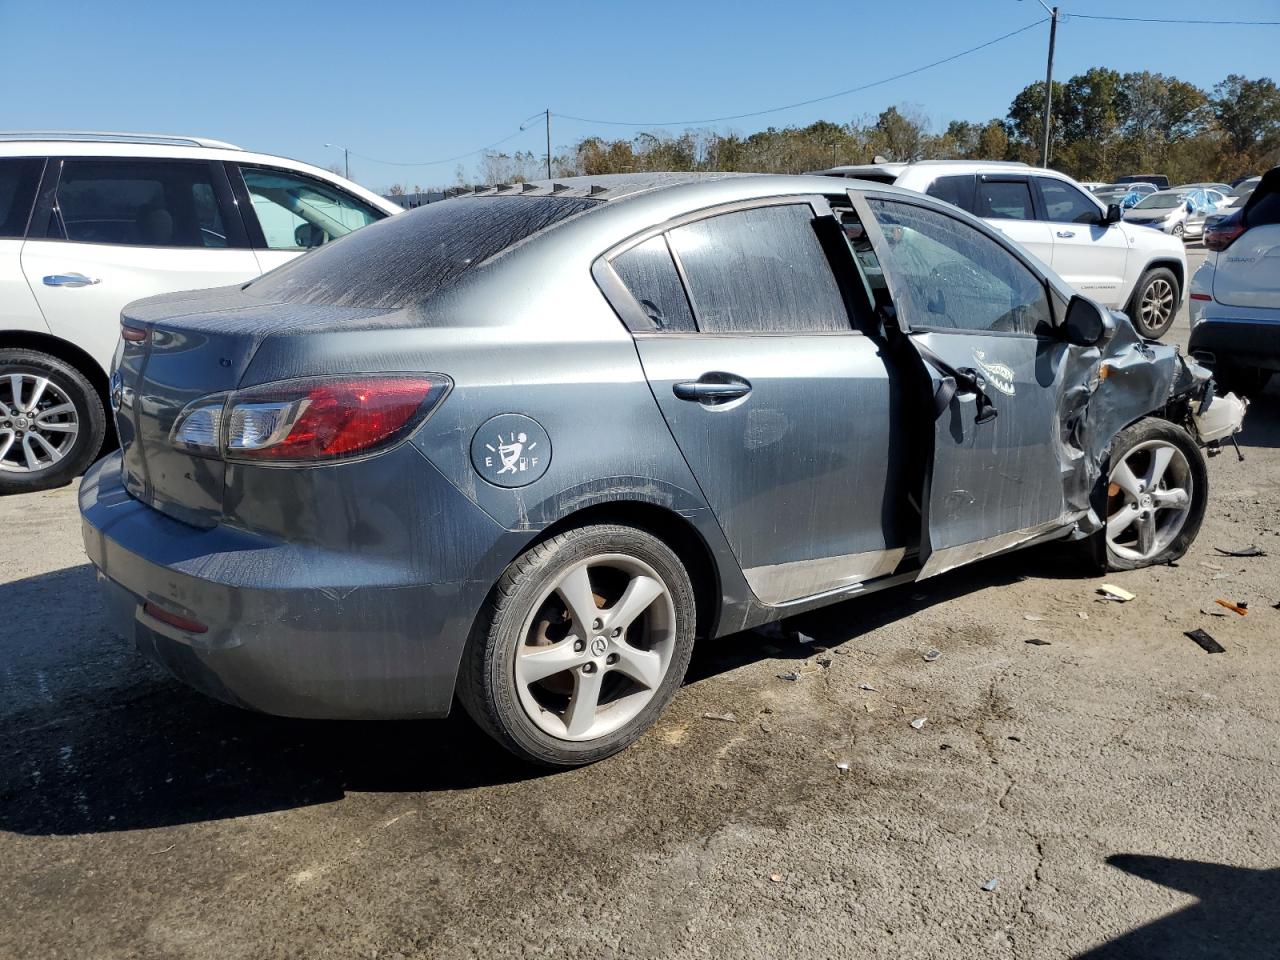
x: 1116, y: 784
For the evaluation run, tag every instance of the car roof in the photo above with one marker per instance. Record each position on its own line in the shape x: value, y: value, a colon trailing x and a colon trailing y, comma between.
x: 166, y: 147
x: 898, y: 167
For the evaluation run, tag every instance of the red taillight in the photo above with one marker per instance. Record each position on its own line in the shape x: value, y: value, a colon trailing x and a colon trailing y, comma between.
x: 1220, y: 234
x: 1201, y: 296
x: 133, y: 334
x: 186, y: 624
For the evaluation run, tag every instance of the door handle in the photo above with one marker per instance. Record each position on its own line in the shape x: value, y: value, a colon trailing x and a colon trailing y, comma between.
x: 1064, y: 234
x: 706, y: 390
x: 69, y: 280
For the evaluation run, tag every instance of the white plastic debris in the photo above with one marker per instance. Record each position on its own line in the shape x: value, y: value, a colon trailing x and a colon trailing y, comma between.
x: 868, y: 687
x: 722, y: 717
x: 1111, y: 592
x: 804, y: 638
x: 843, y: 766
x: 991, y: 884
x: 932, y: 655
x: 1033, y: 617
x: 919, y: 722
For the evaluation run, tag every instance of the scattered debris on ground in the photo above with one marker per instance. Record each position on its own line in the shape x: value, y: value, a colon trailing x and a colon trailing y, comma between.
x: 932, y: 655
x: 789, y: 675
x: 1250, y: 551
x: 1206, y: 642
x: 1240, y: 607
x: 722, y: 717
x: 991, y: 884
x: 919, y: 722
x: 1037, y: 642
x: 1110, y: 591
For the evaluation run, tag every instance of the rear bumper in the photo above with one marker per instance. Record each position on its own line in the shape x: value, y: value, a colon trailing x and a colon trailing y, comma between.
x: 1248, y: 343
x: 292, y: 630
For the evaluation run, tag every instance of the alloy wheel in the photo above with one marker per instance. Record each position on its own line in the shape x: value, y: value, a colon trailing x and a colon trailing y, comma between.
x: 38, y: 423
x: 1157, y: 304
x: 596, y: 648
x: 1149, y: 496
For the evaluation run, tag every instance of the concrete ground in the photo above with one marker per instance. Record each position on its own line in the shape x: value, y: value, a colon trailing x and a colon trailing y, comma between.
x: 1115, y: 786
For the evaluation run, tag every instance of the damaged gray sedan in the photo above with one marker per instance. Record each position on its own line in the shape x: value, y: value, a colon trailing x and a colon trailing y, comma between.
x: 523, y: 447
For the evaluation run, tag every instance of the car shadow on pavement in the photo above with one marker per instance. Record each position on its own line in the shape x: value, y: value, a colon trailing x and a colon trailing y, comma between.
x: 95, y: 739
x: 1235, y: 915
x: 1262, y: 421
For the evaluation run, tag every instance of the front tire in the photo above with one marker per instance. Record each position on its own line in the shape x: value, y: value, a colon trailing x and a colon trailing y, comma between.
x: 1152, y: 497
x: 51, y: 422
x: 1154, y: 303
x: 581, y: 645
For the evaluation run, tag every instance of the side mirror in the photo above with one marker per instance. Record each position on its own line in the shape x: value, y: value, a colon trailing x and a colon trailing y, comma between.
x: 1087, y: 324
x: 1114, y: 213
x: 1191, y: 206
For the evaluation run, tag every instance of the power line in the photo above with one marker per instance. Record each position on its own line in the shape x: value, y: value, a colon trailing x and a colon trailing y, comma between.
x: 805, y: 103
x: 461, y: 156
x: 1212, y: 23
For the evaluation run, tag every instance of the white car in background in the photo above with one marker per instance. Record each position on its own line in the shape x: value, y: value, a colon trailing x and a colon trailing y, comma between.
x: 1235, y: 295
x: 90, y: 222
x: 1139, y: 271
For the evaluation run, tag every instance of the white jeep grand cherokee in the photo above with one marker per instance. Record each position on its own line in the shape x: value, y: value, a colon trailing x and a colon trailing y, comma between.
x: 90, y: 222
x: 1141, y: 271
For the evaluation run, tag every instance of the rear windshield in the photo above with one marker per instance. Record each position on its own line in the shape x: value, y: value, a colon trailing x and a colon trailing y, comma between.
x: 405, y: 259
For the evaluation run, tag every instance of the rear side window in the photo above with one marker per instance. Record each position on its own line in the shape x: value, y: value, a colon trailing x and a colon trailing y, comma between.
x: 404, y: 259
x: 954, y: 190
x: 148, y: 203
x: 297, y: 212
x: 650, y: 275
x: 1004, y: 200
x: 1063, y: 203
x: 18, y: 182
x: 759, y: 271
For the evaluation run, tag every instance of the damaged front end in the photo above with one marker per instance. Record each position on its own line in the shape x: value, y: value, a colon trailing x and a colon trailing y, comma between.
x: 1121, y: 380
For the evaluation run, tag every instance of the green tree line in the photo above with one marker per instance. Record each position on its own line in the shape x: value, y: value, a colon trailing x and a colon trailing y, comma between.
x: 1105, y: 124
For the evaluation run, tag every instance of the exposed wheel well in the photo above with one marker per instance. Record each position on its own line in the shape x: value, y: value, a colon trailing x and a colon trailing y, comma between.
x: 67, y: 352
x: 673, y: 530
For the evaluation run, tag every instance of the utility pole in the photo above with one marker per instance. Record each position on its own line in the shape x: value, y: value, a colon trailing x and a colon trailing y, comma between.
x: 548, y: 111
x: 1048, y: 86
x: 346, y: 158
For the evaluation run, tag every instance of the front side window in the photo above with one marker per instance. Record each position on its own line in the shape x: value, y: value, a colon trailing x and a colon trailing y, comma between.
x: 1004, y: 200
x: 1065, y: 204
x: 147, y: 203
x: 946, y: 274
x: 649, y: 273
x: 760, y: 271
x: 297, y: 212
x: 18, y: 182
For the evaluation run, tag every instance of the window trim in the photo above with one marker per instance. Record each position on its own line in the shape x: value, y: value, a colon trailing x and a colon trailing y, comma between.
x: 51, y: 180
x: 878, y: 243
x: 244, y: 199
x: 633, y: 315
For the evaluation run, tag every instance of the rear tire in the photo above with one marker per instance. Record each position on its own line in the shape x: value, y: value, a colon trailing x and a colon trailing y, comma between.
x: 1154, y: 303
x: 52, y: 423
x: 562, y: 683
x: 1146, y: 496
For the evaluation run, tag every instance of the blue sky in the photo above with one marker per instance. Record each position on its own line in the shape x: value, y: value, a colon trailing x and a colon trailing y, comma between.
x: 422, y: 81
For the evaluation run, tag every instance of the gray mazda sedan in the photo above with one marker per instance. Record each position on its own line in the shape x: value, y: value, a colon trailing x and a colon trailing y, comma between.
x: 524, y: 446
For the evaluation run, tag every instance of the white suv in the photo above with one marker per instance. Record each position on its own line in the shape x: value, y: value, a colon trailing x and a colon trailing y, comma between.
x: 90, y: 222
x: 1140, y: 271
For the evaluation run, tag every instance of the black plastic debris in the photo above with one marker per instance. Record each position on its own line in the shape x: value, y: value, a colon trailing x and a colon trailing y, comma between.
x: 790, y: 675
x: 1037, y: 642
x: 1206, y: 642
x: 1250, y: 551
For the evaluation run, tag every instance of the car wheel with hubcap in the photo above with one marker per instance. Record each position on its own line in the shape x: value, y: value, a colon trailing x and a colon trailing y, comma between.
x: 581, y: 645
x: 1153, y: 495
x: 51, y: 422
x: 1154, y: 303
x: 1179, y: 230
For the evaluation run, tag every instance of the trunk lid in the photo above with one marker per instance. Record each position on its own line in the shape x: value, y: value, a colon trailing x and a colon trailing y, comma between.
x: 199, y: 344
x: 1248, y: 271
